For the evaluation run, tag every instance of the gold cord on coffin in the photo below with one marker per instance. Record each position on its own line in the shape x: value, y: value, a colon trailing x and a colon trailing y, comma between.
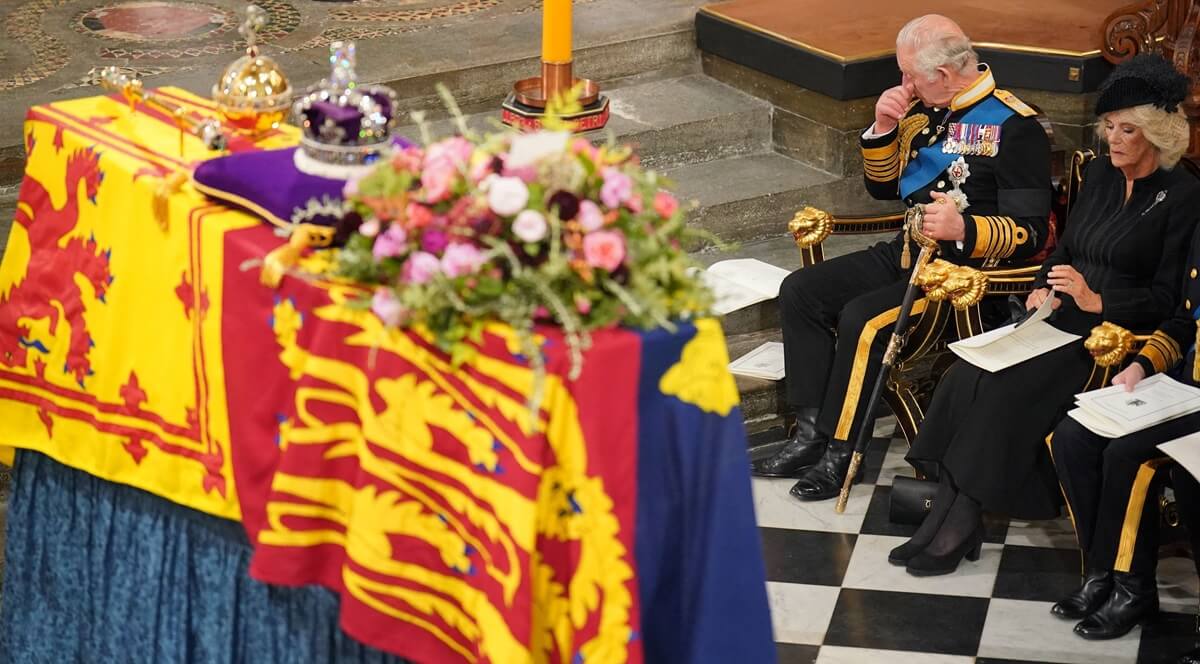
x: 282, y: 259
x: 1109, y: 344
x: 810, y: 226
x: 963, y: 286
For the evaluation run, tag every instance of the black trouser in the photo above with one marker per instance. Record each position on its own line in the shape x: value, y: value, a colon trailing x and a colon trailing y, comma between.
x: 1112, y: 488
x: 837, y: 317
x: 1187, y: 501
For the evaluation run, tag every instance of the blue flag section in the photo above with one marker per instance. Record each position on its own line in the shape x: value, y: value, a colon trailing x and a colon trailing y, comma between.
x: 700, y: 566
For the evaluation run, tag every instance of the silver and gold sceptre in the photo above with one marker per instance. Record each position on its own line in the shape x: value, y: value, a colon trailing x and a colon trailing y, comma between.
x: 207, y: 130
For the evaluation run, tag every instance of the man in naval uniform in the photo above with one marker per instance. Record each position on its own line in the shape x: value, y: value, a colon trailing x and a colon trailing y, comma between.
x: 978, y: 161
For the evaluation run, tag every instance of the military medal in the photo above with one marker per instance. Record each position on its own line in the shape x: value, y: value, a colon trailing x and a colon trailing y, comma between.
x: 958, y: 172
x: 975, y: 140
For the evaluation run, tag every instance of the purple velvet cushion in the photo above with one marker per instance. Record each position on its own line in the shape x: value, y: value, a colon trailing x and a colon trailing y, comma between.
x: 266, y: 183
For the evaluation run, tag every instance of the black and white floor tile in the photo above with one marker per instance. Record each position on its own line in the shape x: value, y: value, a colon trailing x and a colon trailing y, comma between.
x: 836, y: 600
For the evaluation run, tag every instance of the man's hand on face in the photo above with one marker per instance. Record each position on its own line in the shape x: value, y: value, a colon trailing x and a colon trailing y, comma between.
x: 892, y: 105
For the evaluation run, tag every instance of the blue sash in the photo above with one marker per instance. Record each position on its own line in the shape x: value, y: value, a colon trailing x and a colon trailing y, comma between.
x: 931, y: 162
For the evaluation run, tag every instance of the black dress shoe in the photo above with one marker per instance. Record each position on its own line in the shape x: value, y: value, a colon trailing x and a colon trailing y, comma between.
x: 1191, y: 657
x: 799, y: 453
x: 824, y: 480
x: 1133, y: 599
x: 1086, y: 598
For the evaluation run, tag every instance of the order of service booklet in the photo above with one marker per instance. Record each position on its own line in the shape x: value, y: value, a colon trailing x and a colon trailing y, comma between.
x: 1113, y: 412
x: 741, y: 282
x: 1014, y: 343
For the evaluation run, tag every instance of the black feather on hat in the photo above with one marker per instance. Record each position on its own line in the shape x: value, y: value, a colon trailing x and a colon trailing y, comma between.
x: 1143, y: 79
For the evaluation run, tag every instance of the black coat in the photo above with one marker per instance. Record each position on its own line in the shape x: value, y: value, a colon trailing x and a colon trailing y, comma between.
x: 988, y: 430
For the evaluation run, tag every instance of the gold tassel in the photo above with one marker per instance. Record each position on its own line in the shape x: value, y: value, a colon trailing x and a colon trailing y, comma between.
x: 905, y: 252
x: 283, y: 258
x: 162, y: 197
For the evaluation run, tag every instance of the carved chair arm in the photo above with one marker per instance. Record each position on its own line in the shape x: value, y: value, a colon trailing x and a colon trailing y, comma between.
x: 1110, y: 346
x: 811, y: 226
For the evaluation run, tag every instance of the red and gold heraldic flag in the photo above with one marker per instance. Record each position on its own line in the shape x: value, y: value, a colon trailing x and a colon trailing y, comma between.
x: 457, y: 525
x: 110, y: 349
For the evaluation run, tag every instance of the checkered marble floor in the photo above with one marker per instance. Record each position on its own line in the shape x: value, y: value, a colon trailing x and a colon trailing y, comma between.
x: 835, y: 599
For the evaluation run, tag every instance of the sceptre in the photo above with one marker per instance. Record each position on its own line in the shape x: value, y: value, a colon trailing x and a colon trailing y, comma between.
x: 914, y: 218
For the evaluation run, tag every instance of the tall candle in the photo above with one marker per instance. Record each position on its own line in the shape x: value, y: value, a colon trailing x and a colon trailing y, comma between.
x: 556, y: 31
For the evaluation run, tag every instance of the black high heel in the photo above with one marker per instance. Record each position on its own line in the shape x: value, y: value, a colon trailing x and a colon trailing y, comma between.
x: 942, y: 502
x: 928, y: 564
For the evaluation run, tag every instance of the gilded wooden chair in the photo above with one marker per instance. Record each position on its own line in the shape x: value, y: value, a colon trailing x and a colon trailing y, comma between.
x: 953, y: 293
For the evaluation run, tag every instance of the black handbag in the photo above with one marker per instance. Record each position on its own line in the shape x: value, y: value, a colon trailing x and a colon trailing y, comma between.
x: 912, y: 499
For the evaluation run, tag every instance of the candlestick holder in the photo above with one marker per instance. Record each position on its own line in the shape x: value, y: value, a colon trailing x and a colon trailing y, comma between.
x: 525, y: 106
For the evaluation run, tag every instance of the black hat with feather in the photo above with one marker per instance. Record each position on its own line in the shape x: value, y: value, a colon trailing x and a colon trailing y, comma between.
x: 1143, y: 79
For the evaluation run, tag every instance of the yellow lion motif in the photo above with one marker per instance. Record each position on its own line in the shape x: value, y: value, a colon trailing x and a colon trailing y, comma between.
x: 1109, y: 344
x: 963, y: 286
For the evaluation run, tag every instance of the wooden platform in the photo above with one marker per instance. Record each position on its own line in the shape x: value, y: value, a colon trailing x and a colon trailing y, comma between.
x: 846, y: 49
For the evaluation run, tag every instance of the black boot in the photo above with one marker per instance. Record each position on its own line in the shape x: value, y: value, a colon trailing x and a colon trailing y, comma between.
x: 1189, y: 657
x: 1087, y: 598
x: 960, y: 536
x: 824, y: 480
x: 1134, y: 598
x: 929, y: 527
x: 800, y: 452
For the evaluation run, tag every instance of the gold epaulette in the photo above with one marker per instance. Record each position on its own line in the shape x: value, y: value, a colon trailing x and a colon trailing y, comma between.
x: 1010, y: 100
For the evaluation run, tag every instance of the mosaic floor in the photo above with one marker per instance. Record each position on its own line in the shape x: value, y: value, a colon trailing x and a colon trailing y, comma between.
x: 836, y: 600
x: 56, y: 48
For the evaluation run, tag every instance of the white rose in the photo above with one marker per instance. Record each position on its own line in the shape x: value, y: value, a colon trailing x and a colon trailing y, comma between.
x: 530, y: 226
x: 507, y: 196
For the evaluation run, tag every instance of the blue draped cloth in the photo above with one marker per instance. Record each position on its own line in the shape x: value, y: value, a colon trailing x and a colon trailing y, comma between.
x: 102, y: 572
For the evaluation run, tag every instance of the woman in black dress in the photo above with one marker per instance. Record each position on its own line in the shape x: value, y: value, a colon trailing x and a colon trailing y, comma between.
x: 1120, y: 260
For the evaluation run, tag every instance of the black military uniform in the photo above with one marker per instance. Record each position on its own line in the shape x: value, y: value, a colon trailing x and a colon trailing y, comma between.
x: 838, y: 315
x: 1111, y: 484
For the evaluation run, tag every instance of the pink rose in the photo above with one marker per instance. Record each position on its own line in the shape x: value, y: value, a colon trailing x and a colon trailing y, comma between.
x: 634, y: 203
x: 665, y: 205
x: 530, y: 226
x: 387, y: 307
x: 604, y: 249
x: 420, y: 267
x: 507, y: 196
x: 582, y: 304
x: 417, y: 215
x: 617, y: 188
x: 437, y: 180
x: 461, y: 259
x: 434, y: 240
x: 370, y: 227
x: 409, y: 159
x: 455, y: 151
x: 390, y: 243
x: 590, y: 217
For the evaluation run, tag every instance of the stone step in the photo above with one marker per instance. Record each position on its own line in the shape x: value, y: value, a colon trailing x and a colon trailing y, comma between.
x: 749, y: 198
x: 746, y: 329
x: 684, y: 120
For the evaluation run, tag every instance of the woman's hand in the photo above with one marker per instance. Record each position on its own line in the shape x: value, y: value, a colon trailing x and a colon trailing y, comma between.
x: 1066, y: 279
x: 1130, y: 377
x: 1037, y: 297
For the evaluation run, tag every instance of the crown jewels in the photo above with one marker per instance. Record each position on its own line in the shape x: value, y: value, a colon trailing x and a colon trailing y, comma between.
x: 346, y: 126
x: 253, y: 94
